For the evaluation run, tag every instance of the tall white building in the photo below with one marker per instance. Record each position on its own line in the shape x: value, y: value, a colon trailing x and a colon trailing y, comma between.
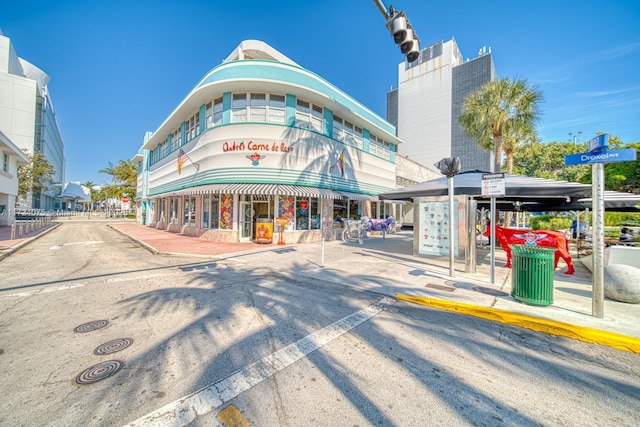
x: 28, y: 119
x: 427, y: 103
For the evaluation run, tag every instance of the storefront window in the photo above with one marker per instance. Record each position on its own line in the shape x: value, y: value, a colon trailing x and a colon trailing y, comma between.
x: 355, y: 209
x: 162, y: 210
x: 307, y: 217
x: 287, y: 208
x: 205, y: 212
x: 339, y: 211
x: 374, y: 210
x: 226, y: 212
x: 314, y: 214
x: 215, y: 212
x: 173, y: 210
x: 189, y: 212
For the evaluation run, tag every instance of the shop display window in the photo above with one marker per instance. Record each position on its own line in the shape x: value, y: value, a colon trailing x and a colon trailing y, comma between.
x: 226, y: 212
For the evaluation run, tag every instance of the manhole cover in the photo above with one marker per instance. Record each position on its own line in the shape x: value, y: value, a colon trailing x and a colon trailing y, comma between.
x: 99, y: 372
x: 113, y: 346
x: 91, y: 326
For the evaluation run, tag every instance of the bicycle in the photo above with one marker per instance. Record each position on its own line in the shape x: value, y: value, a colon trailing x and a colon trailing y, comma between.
x: 354, y: 230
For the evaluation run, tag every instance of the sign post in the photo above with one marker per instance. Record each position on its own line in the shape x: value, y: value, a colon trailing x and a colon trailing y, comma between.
x: 596, y: 157
x: 493, y: 186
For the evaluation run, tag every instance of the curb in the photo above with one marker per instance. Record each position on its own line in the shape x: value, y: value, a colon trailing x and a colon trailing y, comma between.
x: 20, y: 245
x: 551, y: 327
x: 136, y: 240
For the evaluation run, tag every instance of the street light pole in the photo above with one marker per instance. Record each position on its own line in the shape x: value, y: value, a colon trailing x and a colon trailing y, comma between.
x: 382, y: 9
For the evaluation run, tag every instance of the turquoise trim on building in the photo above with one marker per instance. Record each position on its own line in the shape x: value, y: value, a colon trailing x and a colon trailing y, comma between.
x: 366, y: 141
x: 268, y: 176
x: 226, y: 108
x: 290, y: 111
x: 201, y: 118
x: 183, y: 133
x: 392, y: 148
x: 290, y: 75
x: 328, y: 122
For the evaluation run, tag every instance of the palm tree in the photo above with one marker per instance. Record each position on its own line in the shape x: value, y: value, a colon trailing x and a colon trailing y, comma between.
x: 501, y: 108
x: 109, y: 170
x: 517, y: 134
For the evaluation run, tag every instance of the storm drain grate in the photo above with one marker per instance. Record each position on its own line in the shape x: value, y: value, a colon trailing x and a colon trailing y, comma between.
x: 440, y: 287
x: 113, y: 346
x: 99, y: 372
x: 91, y: 326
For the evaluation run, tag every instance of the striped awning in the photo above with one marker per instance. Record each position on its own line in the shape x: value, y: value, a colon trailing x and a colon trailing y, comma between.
x: 359, y: 196
x: 259, y: 189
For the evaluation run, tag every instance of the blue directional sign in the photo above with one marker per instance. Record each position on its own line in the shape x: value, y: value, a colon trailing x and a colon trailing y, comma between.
x: 626, y: 155
x: 599, y: 143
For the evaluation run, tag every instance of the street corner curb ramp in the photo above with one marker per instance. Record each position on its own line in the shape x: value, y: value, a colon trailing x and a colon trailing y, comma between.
x: 551, y: 327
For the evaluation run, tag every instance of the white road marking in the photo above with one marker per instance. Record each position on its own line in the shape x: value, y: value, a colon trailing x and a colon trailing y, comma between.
x: 186, y: 409
x: 42, y: 291
x: 87, y: 243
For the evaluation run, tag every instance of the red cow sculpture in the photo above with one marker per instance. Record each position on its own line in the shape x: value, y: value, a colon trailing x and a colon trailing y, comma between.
x: 548, y: 238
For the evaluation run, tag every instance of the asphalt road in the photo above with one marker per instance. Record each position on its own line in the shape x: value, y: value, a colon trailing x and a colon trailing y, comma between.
x: 230, y: 341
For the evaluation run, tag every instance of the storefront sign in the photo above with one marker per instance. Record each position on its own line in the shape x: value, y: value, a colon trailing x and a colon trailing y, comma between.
x: 274, y: 147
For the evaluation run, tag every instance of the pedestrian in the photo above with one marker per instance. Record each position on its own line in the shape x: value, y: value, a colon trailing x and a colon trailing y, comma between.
x: 574, y: 228
x: 626, y: 234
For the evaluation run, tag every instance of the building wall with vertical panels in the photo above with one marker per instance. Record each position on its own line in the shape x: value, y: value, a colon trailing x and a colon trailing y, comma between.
x: 468, y: 77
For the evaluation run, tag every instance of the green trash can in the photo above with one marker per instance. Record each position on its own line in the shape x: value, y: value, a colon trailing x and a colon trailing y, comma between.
x: 532, y: 274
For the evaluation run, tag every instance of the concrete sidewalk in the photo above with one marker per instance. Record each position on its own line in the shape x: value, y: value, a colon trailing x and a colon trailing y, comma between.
x: 387, y: 266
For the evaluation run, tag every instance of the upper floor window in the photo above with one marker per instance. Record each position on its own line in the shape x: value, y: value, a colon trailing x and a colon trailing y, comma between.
x: 347, y: 132
x: 208, y: 115
x: 255, y: 107
x: 193, y: 126
x: 163, y: 150
x: 379, y: 147
x: 239, y: 107
x: 308, y: 115
x: 176, y: 140
x: 5, y: 162
x: 258, y: 107
x: 276, y: 109
x: 217, y: 111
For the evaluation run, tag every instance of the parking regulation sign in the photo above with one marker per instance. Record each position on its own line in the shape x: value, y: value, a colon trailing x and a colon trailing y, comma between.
x: 493, y: 184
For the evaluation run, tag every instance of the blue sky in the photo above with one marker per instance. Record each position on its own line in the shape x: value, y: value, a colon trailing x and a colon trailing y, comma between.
x: 118, y: 68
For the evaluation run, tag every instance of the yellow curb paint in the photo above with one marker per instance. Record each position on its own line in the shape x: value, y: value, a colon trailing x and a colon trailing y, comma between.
x: 581, y: 333
x: 231, y: 417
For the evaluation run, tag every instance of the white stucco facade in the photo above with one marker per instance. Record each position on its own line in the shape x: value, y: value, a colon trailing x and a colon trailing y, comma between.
x: 10, y: 158
x: 265, y: 138
x: 27, y: 116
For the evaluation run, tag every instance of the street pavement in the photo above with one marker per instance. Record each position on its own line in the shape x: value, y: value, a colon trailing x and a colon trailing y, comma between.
x: 387, y: 266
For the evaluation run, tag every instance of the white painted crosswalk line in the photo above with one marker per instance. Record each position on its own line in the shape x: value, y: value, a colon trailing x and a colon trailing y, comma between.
x: 188, y: 408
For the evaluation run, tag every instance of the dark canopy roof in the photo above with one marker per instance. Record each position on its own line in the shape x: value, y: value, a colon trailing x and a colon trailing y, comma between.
x: 533, y: 194
x: 517, y: 188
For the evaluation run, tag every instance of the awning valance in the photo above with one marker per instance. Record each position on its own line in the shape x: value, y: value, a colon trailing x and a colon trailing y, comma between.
x: 259, y: 189
x: 358, y: 196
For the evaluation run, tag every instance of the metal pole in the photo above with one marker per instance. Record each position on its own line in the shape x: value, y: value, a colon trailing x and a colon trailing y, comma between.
x: 493, y: 240
x: 322, y: 254
x: 597, y: 176
x: 470, y: 261
x: 381, y: 8
x: 452, y: 272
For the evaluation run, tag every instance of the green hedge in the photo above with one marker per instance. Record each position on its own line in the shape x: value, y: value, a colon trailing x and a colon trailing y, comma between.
x: 611, y: 219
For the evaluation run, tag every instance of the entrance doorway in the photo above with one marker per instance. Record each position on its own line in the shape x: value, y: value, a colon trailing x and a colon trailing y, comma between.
x: 251, y: 209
